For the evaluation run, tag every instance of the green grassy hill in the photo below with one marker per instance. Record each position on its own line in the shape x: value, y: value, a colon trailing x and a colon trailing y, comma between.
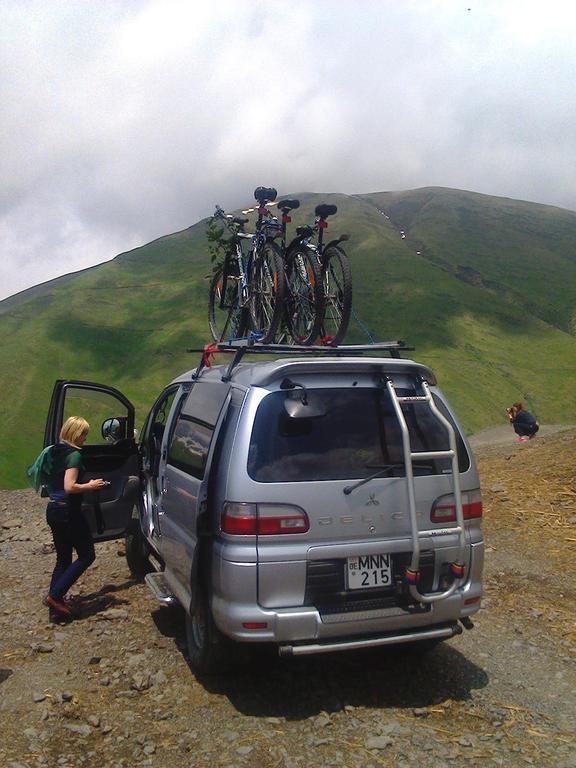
x: 484, y: 287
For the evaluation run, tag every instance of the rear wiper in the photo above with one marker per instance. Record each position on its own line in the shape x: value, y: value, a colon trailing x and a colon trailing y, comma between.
x: 384, y: 468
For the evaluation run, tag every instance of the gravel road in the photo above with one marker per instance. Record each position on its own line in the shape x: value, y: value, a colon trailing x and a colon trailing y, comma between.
x: 113, y: 688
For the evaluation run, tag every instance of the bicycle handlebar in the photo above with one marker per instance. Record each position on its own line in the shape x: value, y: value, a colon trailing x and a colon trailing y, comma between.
x: 220, y: 213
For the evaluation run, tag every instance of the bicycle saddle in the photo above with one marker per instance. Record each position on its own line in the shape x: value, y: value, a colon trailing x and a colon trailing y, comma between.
x: 265, y: 194
x: 324, y: 210
x: 288, y: 205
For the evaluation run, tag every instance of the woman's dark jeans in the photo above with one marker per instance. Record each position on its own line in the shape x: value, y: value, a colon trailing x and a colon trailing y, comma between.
x: 522, y: 430
x: 70, y: 531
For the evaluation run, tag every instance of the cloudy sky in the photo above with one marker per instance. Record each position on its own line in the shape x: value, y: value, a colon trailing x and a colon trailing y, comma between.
x: 124, y: 121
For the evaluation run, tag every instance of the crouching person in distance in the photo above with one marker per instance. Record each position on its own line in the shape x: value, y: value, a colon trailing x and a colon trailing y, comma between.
x: 69, y: 527
x: 524, y: 423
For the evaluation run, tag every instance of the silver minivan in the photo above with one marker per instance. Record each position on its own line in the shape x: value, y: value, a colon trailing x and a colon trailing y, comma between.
x: 321, y: 501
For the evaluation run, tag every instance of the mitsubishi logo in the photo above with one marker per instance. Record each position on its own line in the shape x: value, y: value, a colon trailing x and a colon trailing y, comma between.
x: 372, y: 501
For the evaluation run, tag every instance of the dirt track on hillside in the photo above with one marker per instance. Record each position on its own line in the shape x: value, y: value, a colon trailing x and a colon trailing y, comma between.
x: 113, y: 688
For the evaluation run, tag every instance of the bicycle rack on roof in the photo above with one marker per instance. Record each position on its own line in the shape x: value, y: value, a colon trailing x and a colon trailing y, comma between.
x: 241, y: 347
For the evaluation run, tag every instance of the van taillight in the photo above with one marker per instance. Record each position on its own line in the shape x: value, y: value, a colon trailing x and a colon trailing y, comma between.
x: 245, y: 519
x: 444, y: 509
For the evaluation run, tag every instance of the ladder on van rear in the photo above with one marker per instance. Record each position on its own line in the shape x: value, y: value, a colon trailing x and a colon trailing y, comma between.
x: 413, y: 570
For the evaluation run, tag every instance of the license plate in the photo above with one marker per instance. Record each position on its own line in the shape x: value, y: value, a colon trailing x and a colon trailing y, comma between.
x: 369, y: 571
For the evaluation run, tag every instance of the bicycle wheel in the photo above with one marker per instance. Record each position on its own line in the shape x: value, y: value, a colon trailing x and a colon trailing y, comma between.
x: 227, y: 319
x: 337, y: 282
x: 304, y: 302
x: 267, y: 290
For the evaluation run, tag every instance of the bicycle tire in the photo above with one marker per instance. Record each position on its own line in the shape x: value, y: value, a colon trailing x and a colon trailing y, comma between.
x: 267, y: 291
x: 304, y: 301
x: 337, y: 283
x: 227, y: 319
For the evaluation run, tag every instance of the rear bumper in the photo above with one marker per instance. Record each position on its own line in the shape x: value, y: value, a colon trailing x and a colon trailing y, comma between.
x: 235, y: 605
x: 306, y: 625
x: 434, y: 633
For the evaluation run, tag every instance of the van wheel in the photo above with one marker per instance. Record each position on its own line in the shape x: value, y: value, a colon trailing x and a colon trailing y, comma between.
x: 209, y: 651
x: 137, y: 550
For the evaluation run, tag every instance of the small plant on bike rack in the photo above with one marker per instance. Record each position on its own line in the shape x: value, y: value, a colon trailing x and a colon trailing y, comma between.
x: 227, y: 313
x: 219, y: 243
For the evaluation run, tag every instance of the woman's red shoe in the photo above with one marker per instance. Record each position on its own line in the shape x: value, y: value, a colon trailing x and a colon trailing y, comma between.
x: 58, y: 606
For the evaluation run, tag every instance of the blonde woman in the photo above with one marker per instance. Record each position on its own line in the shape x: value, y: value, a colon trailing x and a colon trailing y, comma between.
x: 69, y: 528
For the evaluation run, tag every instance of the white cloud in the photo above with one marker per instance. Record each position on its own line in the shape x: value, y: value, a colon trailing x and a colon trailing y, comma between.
x: 123, y: 122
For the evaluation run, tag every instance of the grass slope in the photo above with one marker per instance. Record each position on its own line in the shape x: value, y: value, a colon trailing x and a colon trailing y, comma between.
x: 489, y: 303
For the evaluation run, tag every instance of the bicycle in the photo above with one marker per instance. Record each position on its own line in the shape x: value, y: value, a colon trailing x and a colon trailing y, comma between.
x: 304, y: 302
x: 266, y: 300
x: 335, y: 276
x: 336, y: 280
x: 247, y: 293
x: 229, y: 289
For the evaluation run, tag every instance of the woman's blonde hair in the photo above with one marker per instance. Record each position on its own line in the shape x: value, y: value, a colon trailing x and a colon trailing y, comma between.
x: 73, y: 428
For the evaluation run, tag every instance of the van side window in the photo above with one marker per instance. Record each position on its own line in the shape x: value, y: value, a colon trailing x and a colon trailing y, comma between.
x: 189, y: 446
x: 159, y: 421
x: 192, y: 435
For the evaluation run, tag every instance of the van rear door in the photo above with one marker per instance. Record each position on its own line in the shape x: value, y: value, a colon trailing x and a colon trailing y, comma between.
x: 344, y: 468
x: 344, y: 465
x: 110, y: 452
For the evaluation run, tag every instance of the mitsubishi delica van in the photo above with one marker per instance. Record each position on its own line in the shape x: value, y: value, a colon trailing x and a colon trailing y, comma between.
x: 322, y: 501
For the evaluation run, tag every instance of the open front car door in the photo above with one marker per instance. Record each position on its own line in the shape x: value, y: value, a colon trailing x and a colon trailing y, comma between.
x: 110, y: 451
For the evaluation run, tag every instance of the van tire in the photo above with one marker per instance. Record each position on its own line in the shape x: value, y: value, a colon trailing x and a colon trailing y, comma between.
x: 209, y: 651
x: 137, y: 550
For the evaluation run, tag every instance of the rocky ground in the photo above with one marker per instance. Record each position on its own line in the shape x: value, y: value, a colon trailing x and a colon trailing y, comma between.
x: 113, y: 688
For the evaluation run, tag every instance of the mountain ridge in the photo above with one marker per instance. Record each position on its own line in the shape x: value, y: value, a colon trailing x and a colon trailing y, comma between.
x: 483, y: 287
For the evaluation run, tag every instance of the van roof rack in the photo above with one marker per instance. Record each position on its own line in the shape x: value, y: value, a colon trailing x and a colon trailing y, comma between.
x: 241, y: 347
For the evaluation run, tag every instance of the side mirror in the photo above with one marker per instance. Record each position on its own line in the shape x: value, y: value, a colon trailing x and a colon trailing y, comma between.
x: 114, y: 430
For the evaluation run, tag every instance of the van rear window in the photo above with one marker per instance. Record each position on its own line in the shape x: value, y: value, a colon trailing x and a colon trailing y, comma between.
x: 353, y: 434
